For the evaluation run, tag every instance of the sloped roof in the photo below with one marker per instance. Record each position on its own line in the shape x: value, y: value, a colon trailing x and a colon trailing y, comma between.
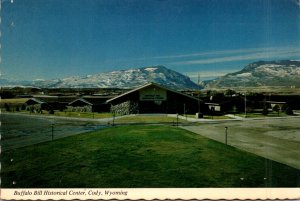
x: 82, y: 100
x: 91, y: 100
x: 147, y: 85
x: 55, y: 99
x: 35, y: 100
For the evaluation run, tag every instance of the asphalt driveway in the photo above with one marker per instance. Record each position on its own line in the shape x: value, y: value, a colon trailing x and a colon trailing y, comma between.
x: 277, y: 139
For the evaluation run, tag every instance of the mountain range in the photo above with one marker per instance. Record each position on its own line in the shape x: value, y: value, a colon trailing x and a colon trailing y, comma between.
x: 125, y: 79
x: 261, y: 73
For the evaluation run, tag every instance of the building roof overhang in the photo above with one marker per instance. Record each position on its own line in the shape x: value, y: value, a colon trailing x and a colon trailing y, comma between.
x: 276, y: 102
x: 212, y: 104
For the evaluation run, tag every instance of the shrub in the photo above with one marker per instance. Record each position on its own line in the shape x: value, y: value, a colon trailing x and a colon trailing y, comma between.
x: 7, y: 107
x: 23, y: 107
x: 265, y: 111
x: 229, y: 92
x: 276, y: 108
x: 289, y: 111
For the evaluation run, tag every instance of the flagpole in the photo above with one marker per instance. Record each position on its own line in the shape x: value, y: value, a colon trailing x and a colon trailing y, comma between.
x: 199, y: 107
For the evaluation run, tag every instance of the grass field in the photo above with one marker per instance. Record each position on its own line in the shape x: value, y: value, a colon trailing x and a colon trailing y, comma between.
x: 149, y: 119
x: 13, y: 102
x: 140, y: 156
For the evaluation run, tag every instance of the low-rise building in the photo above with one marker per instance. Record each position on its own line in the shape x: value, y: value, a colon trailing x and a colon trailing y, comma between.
x: 154, y: 98
x: 90, y: 104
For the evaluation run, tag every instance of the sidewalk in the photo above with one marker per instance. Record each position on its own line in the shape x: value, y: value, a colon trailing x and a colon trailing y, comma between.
x: 190, y: 119
x: 234, y: 116
x: 231, y: 116
x: 187, y: 118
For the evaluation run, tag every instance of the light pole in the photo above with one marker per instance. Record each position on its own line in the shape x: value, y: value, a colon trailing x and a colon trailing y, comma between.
x: 114, y: 116
x: 52, y: 131
x: 245, y: 99
x: 245, y: 105
x: 226, y: 134
x: 184, y: 109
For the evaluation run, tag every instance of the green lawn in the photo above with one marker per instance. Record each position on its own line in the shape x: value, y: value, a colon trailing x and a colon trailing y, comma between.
x: 13, y: 101
x: 140, y: 156
x: 149, y: 119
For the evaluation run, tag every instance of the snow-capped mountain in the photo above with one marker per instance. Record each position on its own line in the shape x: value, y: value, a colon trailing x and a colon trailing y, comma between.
x: 122, y: 79
x: 262, y: 73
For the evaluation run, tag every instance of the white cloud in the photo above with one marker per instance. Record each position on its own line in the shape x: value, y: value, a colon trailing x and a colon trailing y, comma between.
x: 218, y: 52
x: 254, y: 56
x: 209, y: 74
x: 219, y: 56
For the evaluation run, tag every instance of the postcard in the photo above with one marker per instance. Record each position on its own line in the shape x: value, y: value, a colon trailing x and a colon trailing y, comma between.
x: 150, y: 99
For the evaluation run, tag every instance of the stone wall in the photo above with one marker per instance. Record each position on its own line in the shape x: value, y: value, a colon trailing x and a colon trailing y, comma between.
x: 86, y: 108
x: 125, y: 108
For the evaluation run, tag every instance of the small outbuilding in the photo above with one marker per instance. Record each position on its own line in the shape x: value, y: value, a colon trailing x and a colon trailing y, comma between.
x: 90, y: 104
x: 36, y: 105
x: 215, y: 107
x: 278, y: 104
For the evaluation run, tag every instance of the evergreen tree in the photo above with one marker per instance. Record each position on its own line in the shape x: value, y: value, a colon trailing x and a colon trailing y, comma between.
x: 289, y: 111
x: 23, y: 107
x: 265, y: 111
x: 7, y: 107
x: 276, y: 108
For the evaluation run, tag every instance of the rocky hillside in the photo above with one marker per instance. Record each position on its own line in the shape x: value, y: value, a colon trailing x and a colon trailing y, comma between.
x: 262, y: 73
x: 121, y: 79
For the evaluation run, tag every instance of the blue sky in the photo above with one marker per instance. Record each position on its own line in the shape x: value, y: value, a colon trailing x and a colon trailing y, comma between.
x: 45, y: 39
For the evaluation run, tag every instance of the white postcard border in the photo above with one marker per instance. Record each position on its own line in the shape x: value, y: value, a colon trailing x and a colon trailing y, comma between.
x: 150, y: 193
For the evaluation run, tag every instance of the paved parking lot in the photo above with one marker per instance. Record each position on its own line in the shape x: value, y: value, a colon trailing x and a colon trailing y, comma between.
x: 277, y: 139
